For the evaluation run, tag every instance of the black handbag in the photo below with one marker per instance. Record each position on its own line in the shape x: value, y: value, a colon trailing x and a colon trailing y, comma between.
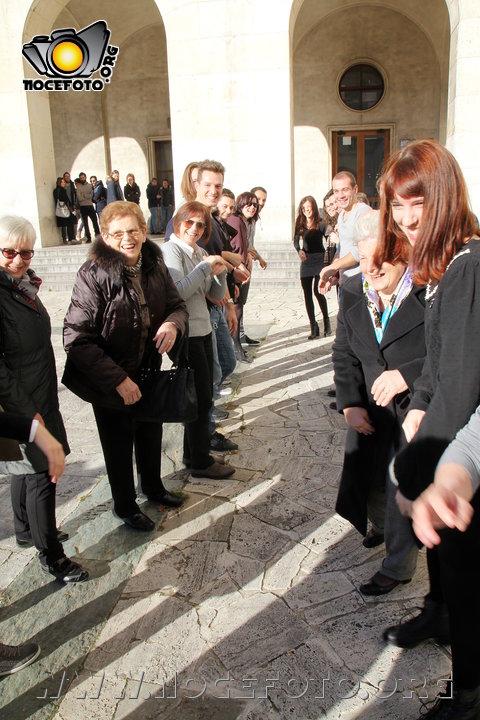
x: 168, y: 395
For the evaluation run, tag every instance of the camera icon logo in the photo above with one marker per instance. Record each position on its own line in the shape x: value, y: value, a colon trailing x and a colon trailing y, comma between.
x: 67, y: 53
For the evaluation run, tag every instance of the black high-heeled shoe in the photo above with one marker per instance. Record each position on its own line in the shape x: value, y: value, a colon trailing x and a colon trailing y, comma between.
x: 315, y: 332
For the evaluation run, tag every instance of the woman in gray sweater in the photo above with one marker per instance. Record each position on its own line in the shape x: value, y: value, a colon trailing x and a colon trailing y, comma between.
x: 195, y: 273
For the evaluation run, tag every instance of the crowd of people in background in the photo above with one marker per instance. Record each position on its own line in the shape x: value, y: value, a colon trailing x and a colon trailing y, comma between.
x: 406, y: 373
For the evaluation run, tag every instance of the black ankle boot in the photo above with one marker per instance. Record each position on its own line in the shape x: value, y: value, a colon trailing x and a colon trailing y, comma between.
x: 327, y: 328
x: 315, y: 331
x: 460, y: 704
x: 432, y: 623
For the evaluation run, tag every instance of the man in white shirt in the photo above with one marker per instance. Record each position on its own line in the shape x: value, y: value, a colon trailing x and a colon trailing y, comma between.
x: 345, y: 263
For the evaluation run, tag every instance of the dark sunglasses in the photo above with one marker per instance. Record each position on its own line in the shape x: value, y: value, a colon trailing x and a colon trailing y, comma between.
x: 10, y: 253
x: 251, y: 204
x: 197, y: 223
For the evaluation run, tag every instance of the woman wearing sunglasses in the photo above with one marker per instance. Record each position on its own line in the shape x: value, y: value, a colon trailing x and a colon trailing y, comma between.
x: 28, y: 385
x: 196, y: 273
x: 124, y: 314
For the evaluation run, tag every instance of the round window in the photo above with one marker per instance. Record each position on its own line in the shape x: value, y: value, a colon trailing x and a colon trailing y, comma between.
x: 361, y: 87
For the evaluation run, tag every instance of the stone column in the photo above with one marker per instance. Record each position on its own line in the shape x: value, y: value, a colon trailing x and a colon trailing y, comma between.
x: 230, y: 96
x: 463, y: 134
x: 25, y: 130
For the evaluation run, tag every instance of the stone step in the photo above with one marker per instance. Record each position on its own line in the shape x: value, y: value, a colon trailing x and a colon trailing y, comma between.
x: 58, y: 266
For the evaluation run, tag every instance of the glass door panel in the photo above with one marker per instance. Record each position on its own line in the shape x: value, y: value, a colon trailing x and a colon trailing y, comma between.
x: 363, y: 153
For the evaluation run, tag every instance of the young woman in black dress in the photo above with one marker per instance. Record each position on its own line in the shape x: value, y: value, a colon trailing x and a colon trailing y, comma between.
x: 308, y: 241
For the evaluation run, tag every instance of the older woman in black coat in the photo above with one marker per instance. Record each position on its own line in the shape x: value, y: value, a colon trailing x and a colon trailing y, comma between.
x: 124, y: 315
x: 378, y: 353
x: 28, y: 385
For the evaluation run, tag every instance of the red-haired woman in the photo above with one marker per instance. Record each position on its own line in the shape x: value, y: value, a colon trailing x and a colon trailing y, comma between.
x: 308, y: 241
x: 424, y: 199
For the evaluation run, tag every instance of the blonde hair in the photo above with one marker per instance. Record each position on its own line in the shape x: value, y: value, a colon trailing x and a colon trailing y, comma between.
x: 121, y: 208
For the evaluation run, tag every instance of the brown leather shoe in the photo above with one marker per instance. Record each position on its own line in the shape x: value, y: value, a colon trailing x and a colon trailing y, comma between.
x: 380, y: 584
x: 216, y: 471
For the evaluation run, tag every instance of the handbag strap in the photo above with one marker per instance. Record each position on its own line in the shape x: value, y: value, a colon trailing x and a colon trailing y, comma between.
x: 178, y: 354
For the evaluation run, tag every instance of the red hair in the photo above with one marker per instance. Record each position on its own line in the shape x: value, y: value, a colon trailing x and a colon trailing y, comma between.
x: 426, y: 169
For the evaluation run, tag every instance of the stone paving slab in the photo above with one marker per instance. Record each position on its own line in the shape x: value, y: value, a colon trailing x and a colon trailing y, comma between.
x: 242, y: 605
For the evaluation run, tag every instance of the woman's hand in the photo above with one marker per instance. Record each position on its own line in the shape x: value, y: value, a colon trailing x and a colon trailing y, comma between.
x: 328, y: 278
x: 262, y: 262
x: 217, y: 264
x: 52, y: 449
x: 358, y: 419
x: 241, y: 274
x: 387, y: 385
x: 129, y: 391
x: 412, y: 423
x: 302, y: 255
x: 445, y: 503
x: 165, y: 337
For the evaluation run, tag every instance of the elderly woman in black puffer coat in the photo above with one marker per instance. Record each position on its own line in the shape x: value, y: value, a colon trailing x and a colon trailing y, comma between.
x: 124, y: 309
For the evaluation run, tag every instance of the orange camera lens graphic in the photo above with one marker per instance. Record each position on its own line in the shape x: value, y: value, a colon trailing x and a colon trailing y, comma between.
x: 67, y: 56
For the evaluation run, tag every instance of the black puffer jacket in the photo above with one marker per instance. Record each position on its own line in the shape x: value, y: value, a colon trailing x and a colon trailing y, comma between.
x: 102, y: 329
x: 28, y: 378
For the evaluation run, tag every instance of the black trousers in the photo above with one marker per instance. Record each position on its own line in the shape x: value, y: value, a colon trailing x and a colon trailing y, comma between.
x: 88, y: 211
x: 321, y: 299
x: 119, y: 435
x: 33, y: 503
x: 455, y: 580
x: 196, y: 439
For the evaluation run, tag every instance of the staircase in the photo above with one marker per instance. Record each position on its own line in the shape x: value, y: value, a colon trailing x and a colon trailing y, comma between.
x: 283, y: 269
x: 57, y: 266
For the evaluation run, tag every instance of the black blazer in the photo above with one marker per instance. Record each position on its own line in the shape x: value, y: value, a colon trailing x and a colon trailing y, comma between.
x: 358, y: 361
x: 449, y: 386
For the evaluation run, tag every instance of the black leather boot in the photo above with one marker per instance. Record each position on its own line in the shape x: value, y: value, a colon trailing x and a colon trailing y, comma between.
x: 432, y: 623
x: 327, y: 328
x: 315, y: 331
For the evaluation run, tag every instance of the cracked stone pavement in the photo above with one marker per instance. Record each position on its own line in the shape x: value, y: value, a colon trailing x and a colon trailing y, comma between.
x: 244, y: 604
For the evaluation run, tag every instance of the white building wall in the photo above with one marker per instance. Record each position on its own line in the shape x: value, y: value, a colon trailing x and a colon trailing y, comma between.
x: 230, y: 90
x: 463, y: 130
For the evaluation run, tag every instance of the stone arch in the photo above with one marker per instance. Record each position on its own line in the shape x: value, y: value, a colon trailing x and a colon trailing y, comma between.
x: 95, y: 131
x: 398, y: 36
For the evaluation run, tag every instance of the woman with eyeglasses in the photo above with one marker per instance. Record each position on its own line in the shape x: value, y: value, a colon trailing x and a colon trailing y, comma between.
x: 196, y: 273
x: 124, y: 314
x: 28, y: 385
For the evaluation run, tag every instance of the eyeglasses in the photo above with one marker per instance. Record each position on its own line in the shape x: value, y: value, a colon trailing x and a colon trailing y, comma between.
x: 190, y: 223
x: 10, y: 253
x: 251, y: 204
x: 120, y: 234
